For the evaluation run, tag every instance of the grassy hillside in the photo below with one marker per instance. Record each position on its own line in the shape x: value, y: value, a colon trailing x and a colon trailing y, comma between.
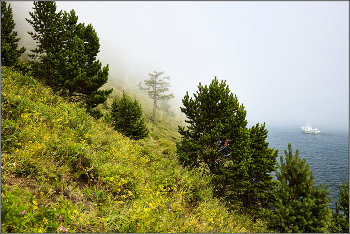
x: 61, y: 170
x: 163, y: 130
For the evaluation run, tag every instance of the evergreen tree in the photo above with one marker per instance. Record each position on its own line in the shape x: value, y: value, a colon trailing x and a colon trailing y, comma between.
x: 81, y: 74
x: 260, y: 191
x: 340, y: 221
x: 127, y: 118
x: 155, y: 86
x: 9, y: 40
x: 300, y: 206
x: 67, y: 54
x: 49, y: 29
x: 216, y: 138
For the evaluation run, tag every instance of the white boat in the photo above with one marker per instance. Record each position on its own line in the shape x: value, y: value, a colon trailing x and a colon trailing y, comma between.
x: 309, y: 129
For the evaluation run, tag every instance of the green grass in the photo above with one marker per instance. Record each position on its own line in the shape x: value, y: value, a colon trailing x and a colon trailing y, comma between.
x: 62, y: 170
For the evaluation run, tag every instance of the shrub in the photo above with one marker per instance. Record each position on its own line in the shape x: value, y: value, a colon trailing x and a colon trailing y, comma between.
x: 127, y: 118
x: 299, y: 206
x: 340, y: 221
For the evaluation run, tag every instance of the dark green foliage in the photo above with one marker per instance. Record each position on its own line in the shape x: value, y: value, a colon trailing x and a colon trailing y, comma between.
x: 218, y: 139
x: 81, y: 74
x: 127, y: 118
x: 156, y: 86
x: 49, y: 28
x: 214, y: 115
x: 340, y: 221
x: 300, y: 206
x: 67, y: 54
x: 9, y: 40
x: 264, y: 160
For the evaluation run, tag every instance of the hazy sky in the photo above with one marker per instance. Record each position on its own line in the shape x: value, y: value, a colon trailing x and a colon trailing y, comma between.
x: 287, y: 62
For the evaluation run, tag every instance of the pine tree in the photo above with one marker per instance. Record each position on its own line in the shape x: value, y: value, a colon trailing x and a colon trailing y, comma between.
x: 9, y: 40
x: 300, y: 206
x: 340, y: 221
x: 81, y: 74
x: 67, y: 52
x: 49, y: 28
x: 155, y: 86
x: 127, y: 118
x: 260, y: 191
x: 216, y: 138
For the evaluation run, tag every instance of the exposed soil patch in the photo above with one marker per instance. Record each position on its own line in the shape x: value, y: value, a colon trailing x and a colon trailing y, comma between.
x: 14, y: 180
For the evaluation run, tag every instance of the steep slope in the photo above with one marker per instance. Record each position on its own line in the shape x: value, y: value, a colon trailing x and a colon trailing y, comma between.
x: 61, y: 170
x: 163, y: 130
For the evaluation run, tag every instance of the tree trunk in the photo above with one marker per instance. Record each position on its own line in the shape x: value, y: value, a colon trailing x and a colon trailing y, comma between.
x: 154, y: 109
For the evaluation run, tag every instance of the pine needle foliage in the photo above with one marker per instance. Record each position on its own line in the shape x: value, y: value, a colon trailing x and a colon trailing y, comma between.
x: 340, y: 221
x: 9, y: 40
x: 260, y: 192
x: 65, y: 57
x: 300, y: 206
x: 218, y: 140
x: 48, y: 29
x: 127, y: 118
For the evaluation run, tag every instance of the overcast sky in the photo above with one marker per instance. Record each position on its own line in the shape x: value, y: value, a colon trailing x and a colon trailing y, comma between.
x: 287, y: 62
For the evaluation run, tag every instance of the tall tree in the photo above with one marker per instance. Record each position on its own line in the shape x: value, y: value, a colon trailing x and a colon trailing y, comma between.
x: 260, y: 191
x: 82, y: 74
x: 49, y: 29
x: 217, y: 138
x: 300, y: 206
x: 67, y: 52
x: 340, y: 219
x: 9, y: 40
x: 127, y: 118
x: 155, y: 86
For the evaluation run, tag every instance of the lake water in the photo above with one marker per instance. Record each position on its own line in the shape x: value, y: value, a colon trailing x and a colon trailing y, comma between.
x: 326, y: 152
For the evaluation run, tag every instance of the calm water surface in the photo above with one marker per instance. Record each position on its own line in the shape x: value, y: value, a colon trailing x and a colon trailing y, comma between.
x: 327, y: 153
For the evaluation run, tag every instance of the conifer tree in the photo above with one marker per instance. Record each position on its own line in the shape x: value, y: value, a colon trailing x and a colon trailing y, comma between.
x: 340, y: 221
x: 9, y: 40
x: 49, y: 28
x: 260, y: 191
x: 216, y: 138
x: 81, y: 74
x: 127, y: 118
x: 300, y: 206
x: 67, y: 52
x: 155, y: 86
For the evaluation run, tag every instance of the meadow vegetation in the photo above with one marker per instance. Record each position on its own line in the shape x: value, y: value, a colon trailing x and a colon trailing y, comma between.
x: 72, y: 161
x: 64, y: 171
